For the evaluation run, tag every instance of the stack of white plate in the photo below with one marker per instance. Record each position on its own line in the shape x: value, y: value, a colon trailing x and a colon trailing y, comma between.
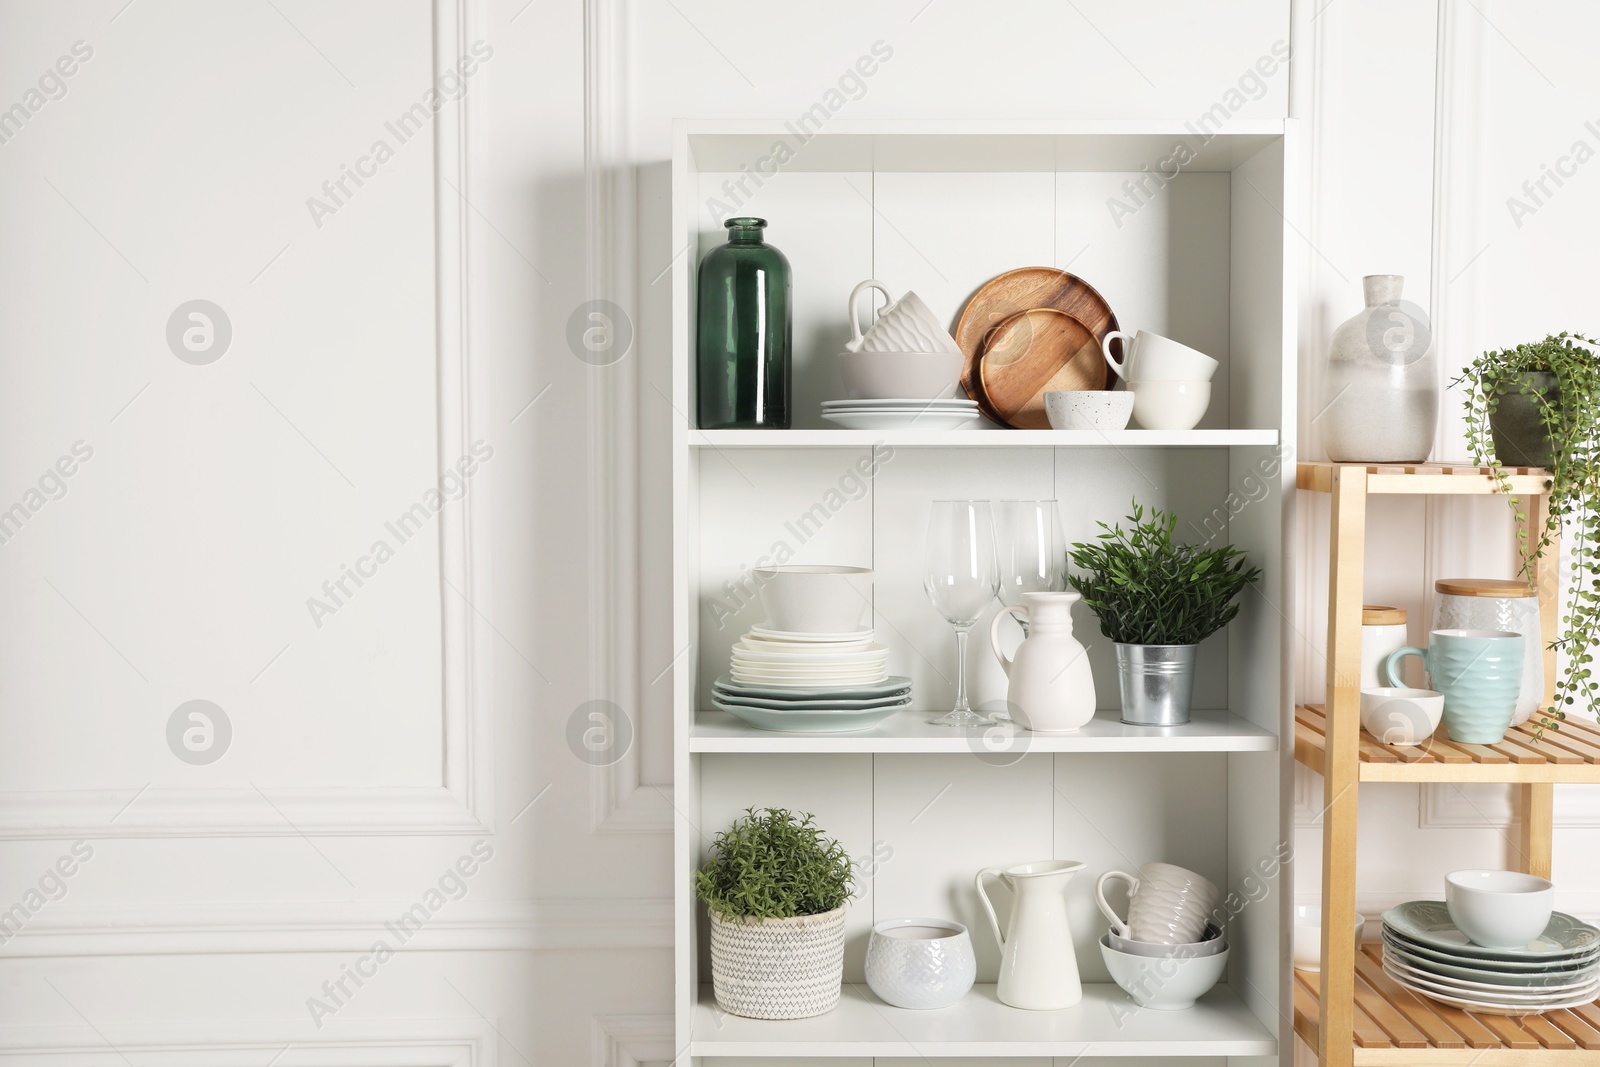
x: 810, y: 682
x: 1425, y: 952
x: 955, y: 414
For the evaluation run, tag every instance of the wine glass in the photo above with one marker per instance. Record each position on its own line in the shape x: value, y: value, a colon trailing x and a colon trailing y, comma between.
x: 962, y: 576
x: 1032, y: 554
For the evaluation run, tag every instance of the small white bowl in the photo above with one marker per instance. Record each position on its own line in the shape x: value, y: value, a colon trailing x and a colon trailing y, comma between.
x: 1170, y: 405
x: 1168, y: 984
x: 1088, y: 409
x: 1399, y: 716
x: 1499, y: 909
x: 1308, y: 935
x: 1210, y: 945
x: 920, y: 963
x: 813, y: 599
x: 901, y: 375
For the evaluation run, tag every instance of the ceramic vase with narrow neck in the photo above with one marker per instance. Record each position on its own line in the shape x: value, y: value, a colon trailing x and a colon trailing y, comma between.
x: 1380, y: 392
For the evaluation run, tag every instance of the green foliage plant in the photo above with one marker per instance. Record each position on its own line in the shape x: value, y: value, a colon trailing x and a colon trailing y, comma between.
x: 1146, y: 589
x: 1570, y: 415
x: 774, y: 864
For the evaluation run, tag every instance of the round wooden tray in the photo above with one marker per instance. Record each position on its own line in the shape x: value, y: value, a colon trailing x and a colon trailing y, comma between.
x: 1023, y: 289
x: 1035, y: 352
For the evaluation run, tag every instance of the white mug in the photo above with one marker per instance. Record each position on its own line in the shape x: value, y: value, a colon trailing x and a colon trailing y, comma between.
x: 1167, y: 904
x: 1170, y: 405
x: 1149, y: 357
x: 904, y: 325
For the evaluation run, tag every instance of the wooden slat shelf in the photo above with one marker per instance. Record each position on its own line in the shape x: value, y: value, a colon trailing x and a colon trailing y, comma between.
x: 1425, y: 478
x: 1395, y: 1026
x: 1570, y: 754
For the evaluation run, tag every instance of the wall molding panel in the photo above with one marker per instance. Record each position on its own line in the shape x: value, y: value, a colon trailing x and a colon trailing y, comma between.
x: 173, y: 929
x: 1471, y: 807
x: 633, y: 1040
x: 402, y: 1042
x: 463, y: 801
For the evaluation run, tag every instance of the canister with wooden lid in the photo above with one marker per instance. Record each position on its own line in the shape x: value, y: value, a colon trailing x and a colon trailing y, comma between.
x: 1383, y: 630
x: 1497, y: 604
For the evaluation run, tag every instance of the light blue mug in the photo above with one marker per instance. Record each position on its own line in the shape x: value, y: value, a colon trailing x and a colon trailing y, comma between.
x: 1478, y: 671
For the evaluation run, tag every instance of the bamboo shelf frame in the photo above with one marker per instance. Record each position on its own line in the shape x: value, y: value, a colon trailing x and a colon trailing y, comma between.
x: 1392, y: 1025
x: 1570, y: 754
x: 1336, y: 1006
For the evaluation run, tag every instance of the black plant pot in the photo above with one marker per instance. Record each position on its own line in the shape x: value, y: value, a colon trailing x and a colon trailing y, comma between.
x: 1519, y: 436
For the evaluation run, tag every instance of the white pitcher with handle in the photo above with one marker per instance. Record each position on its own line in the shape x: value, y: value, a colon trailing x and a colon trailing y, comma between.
x: 1051, y: 688
x: 1038, y: 968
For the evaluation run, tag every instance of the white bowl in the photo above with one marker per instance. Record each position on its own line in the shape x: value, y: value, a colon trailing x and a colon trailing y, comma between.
x: 1088, y: 409
x: 1399, y: 716
x: 811, y: 599
x: 1209, y: 945
x: 901, y: 375
x: 1499, y: 909
x: 1308, y: 935
x: 1170, y: 405
x: 920, y: 963
x: 1168, y: 984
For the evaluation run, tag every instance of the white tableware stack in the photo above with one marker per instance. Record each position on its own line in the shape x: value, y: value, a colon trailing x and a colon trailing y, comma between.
x: 902, y: 373
x: 1494, y: 946
x: 1170, y: 382
x: 1169, y: 951
x: 811, y: 668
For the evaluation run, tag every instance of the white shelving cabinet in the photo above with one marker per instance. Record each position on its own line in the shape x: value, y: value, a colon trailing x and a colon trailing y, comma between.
x: 1205, y: 257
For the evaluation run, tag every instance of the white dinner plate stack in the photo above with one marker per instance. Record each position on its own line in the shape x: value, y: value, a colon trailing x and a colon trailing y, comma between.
x: 810, y: 682
x: 953, y: 414
x: 1425, y: 952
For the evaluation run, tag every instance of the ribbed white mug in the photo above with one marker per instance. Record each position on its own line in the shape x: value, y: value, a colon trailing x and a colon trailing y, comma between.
x: 1167, y: 904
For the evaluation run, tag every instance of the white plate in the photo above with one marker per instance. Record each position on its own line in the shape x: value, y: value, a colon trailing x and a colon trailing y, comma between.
x: 1497, y: 972
x: 766, y: 634
x: 1491, y: 1007
x: 1429, y: 955
x: 949, y: 402
x: 808, y: 653
x: 904, y: 420
x: 811, y: 678
x: 892, y: 684
x: 1586, y: 980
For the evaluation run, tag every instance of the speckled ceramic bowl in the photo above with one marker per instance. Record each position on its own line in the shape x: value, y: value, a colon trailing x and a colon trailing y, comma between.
x: 1088, y: 409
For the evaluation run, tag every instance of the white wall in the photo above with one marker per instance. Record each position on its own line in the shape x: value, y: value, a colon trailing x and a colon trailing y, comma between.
x: 178, y: 562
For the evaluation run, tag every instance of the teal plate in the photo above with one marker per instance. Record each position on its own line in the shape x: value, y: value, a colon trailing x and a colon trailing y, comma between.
x: 1509, y: 982
x: 843, y: 721
x: 1427, y: 922
x: 891, y: 686
x: 835, y: 704
x: 1507, y: 968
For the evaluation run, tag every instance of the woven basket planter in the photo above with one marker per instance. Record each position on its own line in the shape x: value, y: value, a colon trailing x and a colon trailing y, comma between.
x: 778, y: 968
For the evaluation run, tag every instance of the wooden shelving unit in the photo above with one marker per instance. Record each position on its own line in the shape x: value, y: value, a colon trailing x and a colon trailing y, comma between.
x: 1353, y: 1014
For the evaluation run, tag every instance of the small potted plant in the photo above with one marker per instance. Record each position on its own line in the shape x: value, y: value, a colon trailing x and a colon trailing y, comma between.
x: 1157, y: 600
x: 1538, y: 405
x: 776, y: 891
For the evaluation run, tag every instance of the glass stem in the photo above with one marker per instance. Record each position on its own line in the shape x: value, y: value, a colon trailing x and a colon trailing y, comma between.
x: 961, y: 671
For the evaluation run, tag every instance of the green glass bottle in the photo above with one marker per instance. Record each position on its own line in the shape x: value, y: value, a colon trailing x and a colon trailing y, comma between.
x: 744, y: 332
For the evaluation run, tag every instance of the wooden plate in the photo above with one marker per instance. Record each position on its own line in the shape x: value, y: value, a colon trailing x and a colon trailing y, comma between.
x: 1032, y: 353
x: 1022, y: 290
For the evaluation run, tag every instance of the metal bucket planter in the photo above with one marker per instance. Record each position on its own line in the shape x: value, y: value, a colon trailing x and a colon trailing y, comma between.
x: 1157, y: 683
x: 778, y: 968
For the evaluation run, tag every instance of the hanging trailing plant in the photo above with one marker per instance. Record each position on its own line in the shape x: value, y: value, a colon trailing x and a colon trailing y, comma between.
x: 1555, y: 382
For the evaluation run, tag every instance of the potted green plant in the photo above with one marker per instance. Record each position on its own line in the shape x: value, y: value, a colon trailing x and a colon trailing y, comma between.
x: 1538, y: 405
x: 776, y: 891
x: 1157, y: 600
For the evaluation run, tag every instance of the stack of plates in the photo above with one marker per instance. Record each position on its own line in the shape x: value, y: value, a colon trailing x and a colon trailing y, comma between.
x: 810, y: 682
x: 1425, y: 952
x: 954, y: 414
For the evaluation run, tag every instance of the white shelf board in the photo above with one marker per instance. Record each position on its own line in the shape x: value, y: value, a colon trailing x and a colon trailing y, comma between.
x: 1106, y: 1023
x: 995, y: 438
x: 910, y: 732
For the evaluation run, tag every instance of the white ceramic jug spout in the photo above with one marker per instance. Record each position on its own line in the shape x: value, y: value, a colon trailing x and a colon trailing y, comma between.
x: 1038, y: 968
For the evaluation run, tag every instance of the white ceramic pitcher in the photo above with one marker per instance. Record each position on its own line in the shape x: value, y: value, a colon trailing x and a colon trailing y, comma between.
x: 1038, y: 968
x: 1052, y: 689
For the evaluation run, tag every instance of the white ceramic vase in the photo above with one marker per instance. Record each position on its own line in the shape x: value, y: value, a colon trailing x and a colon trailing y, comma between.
x: 1050, y: 690
x: 1380, y: 393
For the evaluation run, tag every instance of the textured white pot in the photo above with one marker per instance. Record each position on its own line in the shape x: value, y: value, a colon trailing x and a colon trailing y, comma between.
x: 778, y: 968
